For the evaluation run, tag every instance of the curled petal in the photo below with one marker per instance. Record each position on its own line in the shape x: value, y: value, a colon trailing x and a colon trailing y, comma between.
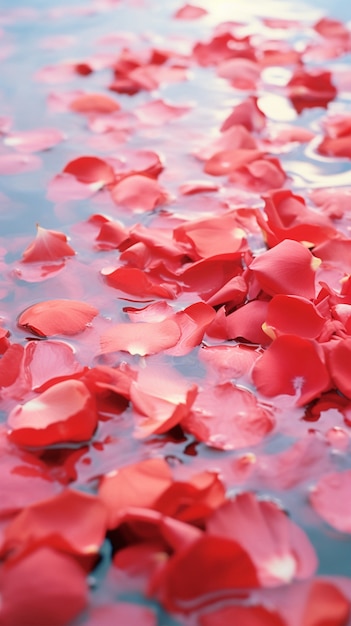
x: 162, y: 399
x: 66, y: 412
x: 49, y: 245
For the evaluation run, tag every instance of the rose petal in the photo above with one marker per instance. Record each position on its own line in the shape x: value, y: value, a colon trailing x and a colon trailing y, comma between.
x: 228, y: 418
x: 51, y: 586
x: 294, y: 366
x: 49, y: 245
x: 65, y: 412
x: 141, y: 338
x: 57, y: 317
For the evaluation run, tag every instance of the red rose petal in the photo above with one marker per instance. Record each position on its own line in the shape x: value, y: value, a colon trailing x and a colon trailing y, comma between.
x: 311, y: 89
x: 188, y: 582
x: 331, y: 499
x: 72, y: 522
x: 65, y: 412
x: 246, y: 322
x: 292, y: 365
x: 287, y: 268
x: 51, y: 587
x: 89, y: 169
x: 57, y: 317
x: 141, y: 338
x: 192, y: 501
x: 49, y: 245
x: 288, y: 216
x: 338, y: 147
x: 293, y: 315
x: 227, y: 161
x: 228, y: 418
x: 138, y: 283
x: 138, y: 193
x: 226, y: 362
x: 326, y: 604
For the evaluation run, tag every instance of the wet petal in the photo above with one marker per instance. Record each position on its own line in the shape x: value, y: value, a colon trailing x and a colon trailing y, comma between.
x: 279, y: 549
x: 65, y: 412
x: 287, y: 268
x: 49, y: 245
x: 294, y: 366
x: 57, y: 317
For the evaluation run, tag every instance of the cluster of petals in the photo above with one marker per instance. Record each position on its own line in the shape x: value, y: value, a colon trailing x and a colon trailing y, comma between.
x: 182, y: 377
